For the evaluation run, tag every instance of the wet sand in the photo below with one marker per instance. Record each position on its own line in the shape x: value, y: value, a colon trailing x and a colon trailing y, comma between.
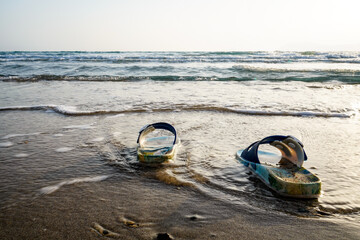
x: 132, y: 208
x: 76, y: 175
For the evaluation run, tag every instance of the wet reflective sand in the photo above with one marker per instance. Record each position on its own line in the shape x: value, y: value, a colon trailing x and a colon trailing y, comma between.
x: 95, y: 186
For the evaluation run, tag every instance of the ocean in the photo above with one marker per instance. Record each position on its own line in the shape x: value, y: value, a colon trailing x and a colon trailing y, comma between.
x: 70, y: 120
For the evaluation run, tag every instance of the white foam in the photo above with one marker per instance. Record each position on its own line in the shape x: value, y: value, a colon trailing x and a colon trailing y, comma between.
x: 115, y: 116
x: 51, y: 189
x: 20, y: 135
x: 62, y: 109
x: 35, y: 107
x: 66, y: 109
x: 99, y: 139
x: 294, y: 114
x: 300, y: 67
x: 64, y: 149
x: 58, y: 135
x: 21, y: 155
x: 116, y: 133
x: 6, y: 144
x: 85, y: 126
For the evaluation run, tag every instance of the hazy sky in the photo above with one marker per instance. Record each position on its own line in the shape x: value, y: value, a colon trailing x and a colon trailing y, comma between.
x: 180, y: 25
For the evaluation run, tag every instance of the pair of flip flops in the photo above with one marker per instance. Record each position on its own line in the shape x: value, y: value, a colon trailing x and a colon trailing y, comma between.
x: 288, y: 178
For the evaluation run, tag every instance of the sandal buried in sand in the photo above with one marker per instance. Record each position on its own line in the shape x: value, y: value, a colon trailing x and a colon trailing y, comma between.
x: 289, y: 178
x: 156, y: 149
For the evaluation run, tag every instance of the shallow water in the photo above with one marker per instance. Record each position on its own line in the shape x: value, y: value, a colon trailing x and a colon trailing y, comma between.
x: 58, y: 134
x: 42, y: 149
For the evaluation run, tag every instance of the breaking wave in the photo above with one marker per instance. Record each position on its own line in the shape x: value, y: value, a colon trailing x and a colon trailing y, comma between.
x: 305, y: 68
x: 261, y: 75
x: 179, y: 57
x: 180, y: 66
x: 72, y: 111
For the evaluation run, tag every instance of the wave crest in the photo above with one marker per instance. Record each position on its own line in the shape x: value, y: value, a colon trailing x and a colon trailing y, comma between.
x: 72, y: 111
x: 251, y: 75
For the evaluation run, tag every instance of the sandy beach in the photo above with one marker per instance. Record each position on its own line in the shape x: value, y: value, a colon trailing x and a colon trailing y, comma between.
x: 257, y: 105
x: 128, y: 208
x: 68, y: 159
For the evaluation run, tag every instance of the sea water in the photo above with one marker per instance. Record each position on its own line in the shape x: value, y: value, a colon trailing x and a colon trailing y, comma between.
x: 69, y: 118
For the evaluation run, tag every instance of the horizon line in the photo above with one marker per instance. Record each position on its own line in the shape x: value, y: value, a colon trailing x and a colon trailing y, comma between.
x: 228, y: 51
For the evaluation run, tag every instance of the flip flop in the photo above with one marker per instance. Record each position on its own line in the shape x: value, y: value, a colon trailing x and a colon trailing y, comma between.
x: 156, y: 149
x: 288, y: 178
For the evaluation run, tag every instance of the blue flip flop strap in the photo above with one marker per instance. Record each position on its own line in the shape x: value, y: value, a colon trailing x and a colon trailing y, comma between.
x: 159, y: 125
x: 251, y: 153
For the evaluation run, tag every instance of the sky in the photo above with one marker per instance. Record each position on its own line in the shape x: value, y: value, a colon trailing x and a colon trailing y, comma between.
x: 180, y: 25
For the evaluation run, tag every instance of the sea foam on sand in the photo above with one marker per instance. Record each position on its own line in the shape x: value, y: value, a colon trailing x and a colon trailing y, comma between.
x: 53, y: 188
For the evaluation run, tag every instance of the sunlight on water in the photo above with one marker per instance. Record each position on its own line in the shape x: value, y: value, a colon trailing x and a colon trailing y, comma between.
x: 180, y: 66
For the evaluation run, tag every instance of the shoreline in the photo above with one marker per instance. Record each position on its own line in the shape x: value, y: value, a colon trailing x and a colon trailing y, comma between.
x: 78, y: 177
